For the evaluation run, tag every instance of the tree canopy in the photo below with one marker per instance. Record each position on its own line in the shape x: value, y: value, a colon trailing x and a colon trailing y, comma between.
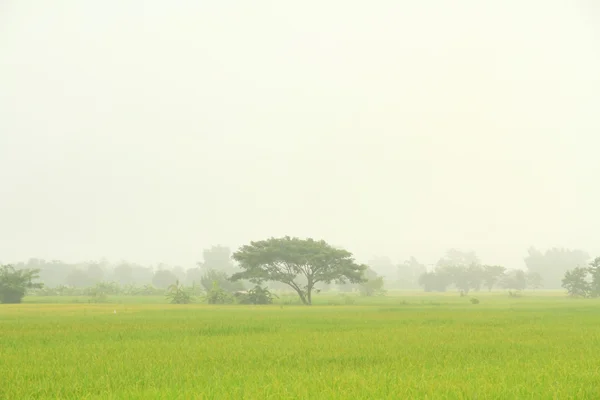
x: 15, y: 282
x: 298, y: 263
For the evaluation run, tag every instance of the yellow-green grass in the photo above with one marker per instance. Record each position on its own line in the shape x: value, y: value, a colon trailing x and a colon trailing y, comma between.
x: 399, y: 347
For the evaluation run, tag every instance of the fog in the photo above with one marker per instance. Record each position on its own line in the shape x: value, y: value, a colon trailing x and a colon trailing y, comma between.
x: 151, y: 130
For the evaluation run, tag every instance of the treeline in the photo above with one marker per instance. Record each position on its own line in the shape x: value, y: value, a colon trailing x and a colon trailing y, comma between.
x: 456, y: 270
x: 464, y: 271
x: 216, y: 265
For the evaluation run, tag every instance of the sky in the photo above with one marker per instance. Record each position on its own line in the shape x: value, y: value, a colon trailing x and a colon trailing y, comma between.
x: 149, y: 130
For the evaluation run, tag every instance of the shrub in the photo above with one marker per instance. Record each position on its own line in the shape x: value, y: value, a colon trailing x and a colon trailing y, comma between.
x: 257, y: 295
x: 178, y: 294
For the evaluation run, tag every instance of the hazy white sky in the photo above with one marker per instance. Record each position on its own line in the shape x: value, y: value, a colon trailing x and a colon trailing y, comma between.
x: 148, y: 130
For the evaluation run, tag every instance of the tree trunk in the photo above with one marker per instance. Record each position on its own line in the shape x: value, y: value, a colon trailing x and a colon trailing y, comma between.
x: 300, y: 294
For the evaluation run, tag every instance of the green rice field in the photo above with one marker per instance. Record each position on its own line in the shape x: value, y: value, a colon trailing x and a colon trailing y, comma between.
x: 417, y: 346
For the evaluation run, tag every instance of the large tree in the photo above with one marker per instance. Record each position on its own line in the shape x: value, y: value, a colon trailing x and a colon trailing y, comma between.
x: 298, y: 263
x: 15, y: 282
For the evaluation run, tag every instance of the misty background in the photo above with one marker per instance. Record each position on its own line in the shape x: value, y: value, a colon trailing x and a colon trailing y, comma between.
x: 148, y: 131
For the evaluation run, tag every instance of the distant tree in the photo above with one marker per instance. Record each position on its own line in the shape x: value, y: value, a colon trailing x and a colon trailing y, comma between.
x: 193, y: 276
x: 179, y: 272
x: 210, y: 276
x: 492, y: 275
x: 78, y: 278
x: 382, y: 266
x: 95, y: 272
x: 514, y: 279
x: 457, y: 258
x: 14, y: 283
x: 465, y: 278
x: 178, y: 294
x: 218, y: 258
x: 299, y: 263
x: 552, y: 264
x: 576, y: 283
x: 216, y: 295
x: 163, y: 279
x: 373, y: 286
x: 594, y: 271
x: 124, y: 274
x: 534, y: 280
x: 435, y: 281
x: 408, y: 273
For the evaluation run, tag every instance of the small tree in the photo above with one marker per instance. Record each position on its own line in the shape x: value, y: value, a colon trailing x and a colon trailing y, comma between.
x: 576, y: 283
x: 373, y: 286
x: 14, y: 283
x: 534, y: 280
x: 256, y: 295
x: 212, y: 275
x: 492, y: 275
x: 515, y: 279
x: 594, y: 271
x: 216, y: 295
x: 178, y: 294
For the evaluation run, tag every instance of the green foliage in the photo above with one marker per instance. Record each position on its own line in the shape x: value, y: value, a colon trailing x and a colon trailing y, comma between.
x: 213, y: 275
x: 178, y: 294
x: 163, y: 279
x: 435, y: 281
x: 514, y: 279
x: 15, y: 282
x: 552, y: 264
x: 216, y: 295
x: 492, y: 274
x: 218, y: 258
x: 373, y: 285
x: 594, y: 271
x: 298, y: 263
x: 256, y: 295
x: 474, y: 300
x: 576, y: 283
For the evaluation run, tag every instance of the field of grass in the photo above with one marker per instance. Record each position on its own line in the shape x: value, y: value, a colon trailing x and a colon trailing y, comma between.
x: 539, y: 346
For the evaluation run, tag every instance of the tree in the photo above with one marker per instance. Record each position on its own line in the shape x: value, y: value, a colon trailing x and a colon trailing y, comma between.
x: 163, y: 279
x: 594, y: 270
x: 298, y: 263
x: 178, y: 294
x: 492, y: 275
x: 256, y: 295
x: 211, y: 275
x: 534, y: 280
x: 382, y: 266
x: 515, y: 279
x: 435, y: 281
x: 124, y: 274
x: 14, y: 283
x: 373, y: 286
x: 457, y: 258
x: 575, y: 282
x: 553, y: 264
x: 408, y: 273
x: 78, y: 278
x: 218, y: 258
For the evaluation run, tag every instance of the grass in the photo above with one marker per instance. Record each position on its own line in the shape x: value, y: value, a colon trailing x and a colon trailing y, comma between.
x: 540, y: 346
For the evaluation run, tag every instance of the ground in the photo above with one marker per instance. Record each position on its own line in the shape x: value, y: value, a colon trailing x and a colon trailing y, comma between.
x: 402, y: 346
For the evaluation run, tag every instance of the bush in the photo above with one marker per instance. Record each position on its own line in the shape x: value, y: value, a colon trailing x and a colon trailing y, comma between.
x: 178, y: 294
x: 257, y: 295
x: 14, y: 283
x: 216, y: 295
